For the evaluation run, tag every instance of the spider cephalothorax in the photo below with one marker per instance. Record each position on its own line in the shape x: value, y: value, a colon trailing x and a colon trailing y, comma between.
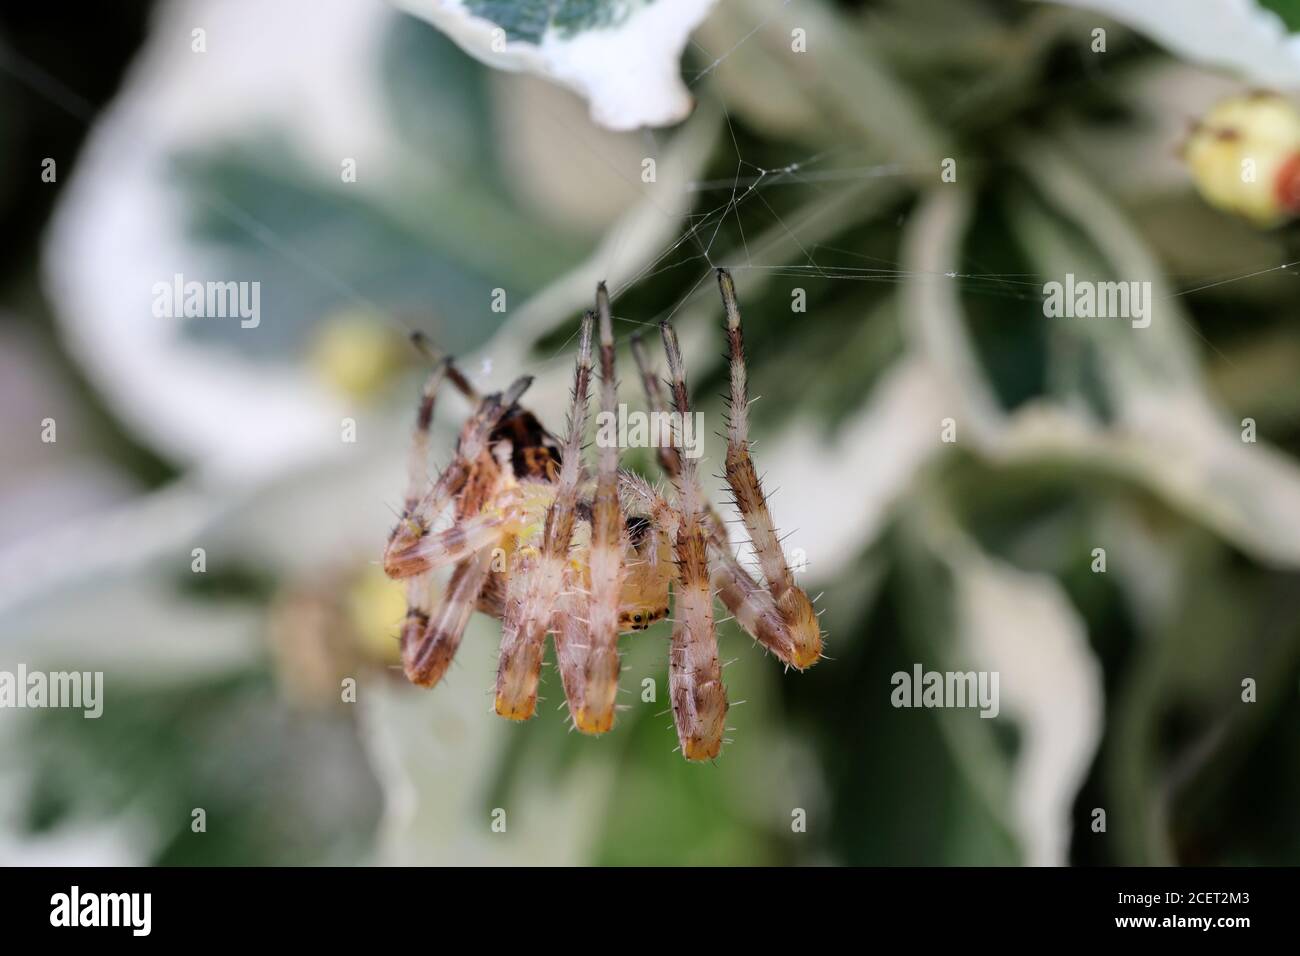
x: 538, y: 544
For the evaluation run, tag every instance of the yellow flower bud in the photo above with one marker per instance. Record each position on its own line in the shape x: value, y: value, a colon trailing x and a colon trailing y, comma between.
x: 356, y: 354
x: 1244, y: 157
x: 376, y: 606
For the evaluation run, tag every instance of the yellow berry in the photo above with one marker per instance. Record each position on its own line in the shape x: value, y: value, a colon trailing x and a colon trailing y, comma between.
x: 1244, y: 157
x: 376, y: 605
x: 356, y: 354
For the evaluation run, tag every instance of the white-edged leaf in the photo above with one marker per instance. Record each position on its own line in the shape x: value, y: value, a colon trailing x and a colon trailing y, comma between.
x: 1237, y: 35
x: 120, y: 225
x: 1169, y: 436
x: 1022, y: 626
x: 623, y: 56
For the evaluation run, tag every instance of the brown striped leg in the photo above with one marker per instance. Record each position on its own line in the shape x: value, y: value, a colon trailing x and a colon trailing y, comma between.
x: 418, y: 461
x: 539, y: 580
x: 593, y: 713
x: 699, y: 699
x: 751, y: 604
x: 748, y: 601
x: 454, y: 374
x: 418, y: 517
x: 461, y: 540
x: 572, y: 649
x: 419, y: 587
x: 654, y: 393
x: 791, y: 601
x: 426, y: 657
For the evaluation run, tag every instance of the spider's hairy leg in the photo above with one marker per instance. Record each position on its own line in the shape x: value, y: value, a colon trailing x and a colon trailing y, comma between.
x: 593, y: 713
x: 663, y: 517
x: 418, y: 587
x: 791, y: 601
x: 465, y: 537
x: 454, y: 374
x: 749, y: 602
x: 530, y: 608
x: 572, y: 649
x: 418, y: 461
x: 428, y: 649
x: 668, y: 459
x: 400, y: 560
x: 694, y: 673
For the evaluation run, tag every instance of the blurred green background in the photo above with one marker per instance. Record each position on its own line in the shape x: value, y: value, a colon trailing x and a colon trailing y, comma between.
x: 816, y: 178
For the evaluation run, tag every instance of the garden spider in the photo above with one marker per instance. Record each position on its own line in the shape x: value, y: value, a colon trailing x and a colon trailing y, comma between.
x: 539, y: 545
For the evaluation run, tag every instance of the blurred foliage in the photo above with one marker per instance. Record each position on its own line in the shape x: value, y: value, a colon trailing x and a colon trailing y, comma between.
x: 412, y: 255
x: 52, y: 82
x: 1288, y: 10
x: 230, y: 748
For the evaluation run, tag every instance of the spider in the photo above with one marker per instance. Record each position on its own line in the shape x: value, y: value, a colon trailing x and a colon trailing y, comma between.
x: 537, y: 543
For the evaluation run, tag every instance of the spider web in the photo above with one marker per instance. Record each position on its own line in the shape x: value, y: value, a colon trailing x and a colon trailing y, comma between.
x: 715, y: 235
x: 735, y: 221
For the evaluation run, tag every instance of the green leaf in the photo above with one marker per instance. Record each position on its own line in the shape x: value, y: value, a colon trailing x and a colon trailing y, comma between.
x: 432, y: 260
x: 438, y: 100
x: 1288, y: 10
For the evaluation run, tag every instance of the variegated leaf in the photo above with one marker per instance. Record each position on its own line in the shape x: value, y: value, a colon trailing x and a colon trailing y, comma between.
x: 621, y: 55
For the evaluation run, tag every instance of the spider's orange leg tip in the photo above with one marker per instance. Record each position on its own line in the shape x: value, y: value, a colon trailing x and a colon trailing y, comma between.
x: 695, y: 749
x: 806, y: 655
x: 593, y: 722
x: 805, y: 631
x: 425, y: 679
x: 425, y: 673
x: 516, y: 710
x: 423, y: 661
